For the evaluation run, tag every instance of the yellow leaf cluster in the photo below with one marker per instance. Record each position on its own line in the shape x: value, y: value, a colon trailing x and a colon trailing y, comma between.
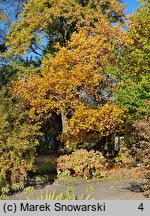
x: 88, y: 124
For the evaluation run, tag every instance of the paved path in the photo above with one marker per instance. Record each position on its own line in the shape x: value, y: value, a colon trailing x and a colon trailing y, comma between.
x: 114, y: 190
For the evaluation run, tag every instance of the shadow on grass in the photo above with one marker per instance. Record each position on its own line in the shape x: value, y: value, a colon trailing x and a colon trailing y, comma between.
x: 45, y: 173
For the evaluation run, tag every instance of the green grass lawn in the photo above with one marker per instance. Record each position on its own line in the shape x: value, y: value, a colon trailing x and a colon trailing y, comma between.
x: 45, y: 168
x: 44, y: 172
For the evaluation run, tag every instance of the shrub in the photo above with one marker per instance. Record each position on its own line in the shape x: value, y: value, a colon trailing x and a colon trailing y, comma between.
x: 142, y: 148
x: 124, y: 158
x: 6, y: 189
x: 18, y: 139
x: 64, y: 174
x: 82, y: 163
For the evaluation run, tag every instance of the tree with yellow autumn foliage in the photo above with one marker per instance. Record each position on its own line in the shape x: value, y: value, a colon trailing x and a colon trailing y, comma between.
x: 43, y: 23
x: 75, y: 79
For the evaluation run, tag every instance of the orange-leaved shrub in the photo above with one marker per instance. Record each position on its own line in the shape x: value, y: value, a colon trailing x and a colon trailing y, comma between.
x: 142, y: 149
x: 82, y: 163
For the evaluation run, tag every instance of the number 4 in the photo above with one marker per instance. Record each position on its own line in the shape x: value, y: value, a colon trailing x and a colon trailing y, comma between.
x: 141, y: 207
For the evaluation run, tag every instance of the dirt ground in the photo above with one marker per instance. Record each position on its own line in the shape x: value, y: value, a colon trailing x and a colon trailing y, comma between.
x: 47, y: 158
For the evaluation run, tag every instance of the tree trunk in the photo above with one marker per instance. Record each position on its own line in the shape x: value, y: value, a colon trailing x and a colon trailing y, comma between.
x: 64, y: 121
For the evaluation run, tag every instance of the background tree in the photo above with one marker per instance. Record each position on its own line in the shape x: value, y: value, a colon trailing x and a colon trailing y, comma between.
x: 9, y: 12
x: 133, y: 62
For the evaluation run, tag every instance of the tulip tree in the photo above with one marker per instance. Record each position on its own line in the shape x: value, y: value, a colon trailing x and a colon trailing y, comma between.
x: 77, y: 77
x: 45, y: 22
